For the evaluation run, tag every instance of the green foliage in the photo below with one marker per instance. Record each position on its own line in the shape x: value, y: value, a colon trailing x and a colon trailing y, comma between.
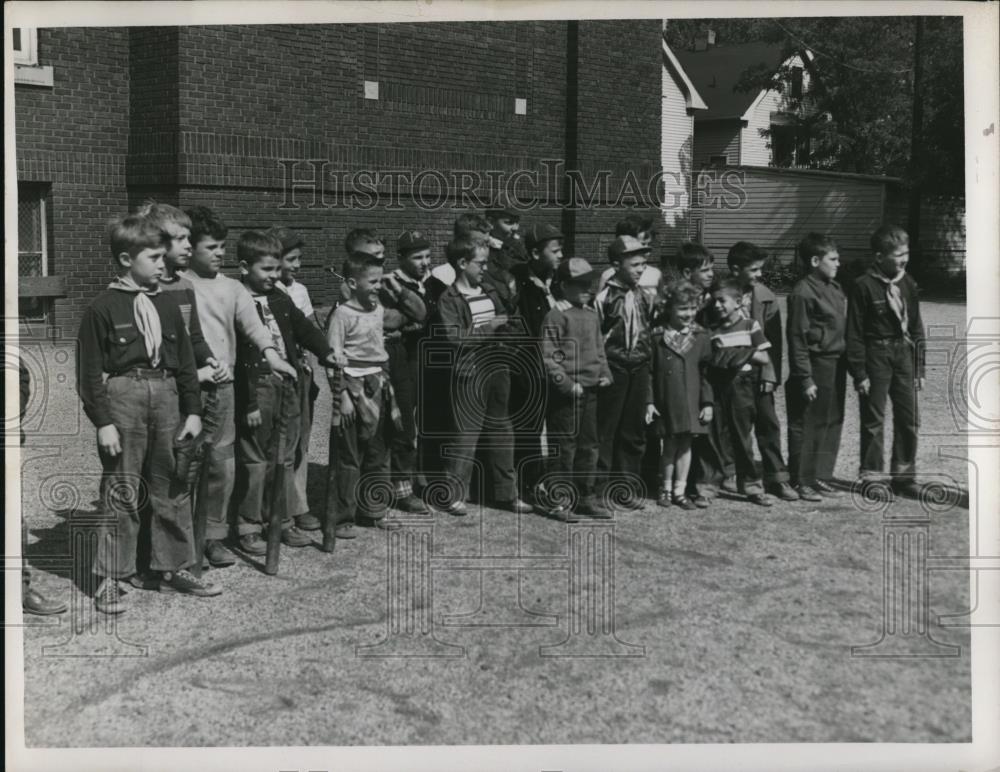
x: 863, y: 72
x: 780, y: 275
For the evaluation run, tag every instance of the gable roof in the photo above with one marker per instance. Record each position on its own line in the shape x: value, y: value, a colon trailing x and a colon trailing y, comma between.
x: 692, y: 98
x: 716, y: 70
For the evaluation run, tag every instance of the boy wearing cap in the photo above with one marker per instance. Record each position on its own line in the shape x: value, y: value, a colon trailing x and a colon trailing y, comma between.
x: 573, y: 351
x: 621, y: 408
x: 528, y: 387
x: 638, y: 227
x: 291, y: 264
x: 401, y: 294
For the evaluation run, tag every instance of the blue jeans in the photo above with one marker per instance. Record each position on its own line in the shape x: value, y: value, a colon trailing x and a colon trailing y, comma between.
x: 147, y: 416
x: 218, y: 472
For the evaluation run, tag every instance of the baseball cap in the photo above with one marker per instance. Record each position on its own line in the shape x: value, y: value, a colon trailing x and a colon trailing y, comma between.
x: 539, y: 234
x: 626, y: 245
x: 576, y: 270
x: 289, y: 239
x: 411, y: 241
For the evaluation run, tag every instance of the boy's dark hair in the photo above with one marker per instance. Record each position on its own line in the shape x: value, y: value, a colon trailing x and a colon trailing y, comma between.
x: 680, y: 293
x: 814, y: 245
x: 162, y: 215
x: 206, y: 224
x: 254, y: 246
x: 743, y: 253
x: 462, y: 249
x: 887, y: 238
x: 132, y: 233
x: 729, y: 285
x: 358, y: 263
x: 358, y: 238
x: 691, y: 256
x: 633, y: 224
x: 470, y: 224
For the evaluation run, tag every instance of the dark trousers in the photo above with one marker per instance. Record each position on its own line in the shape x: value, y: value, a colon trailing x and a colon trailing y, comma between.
x: 147, y: 416
x: 814, y: 427
x: 572, y: 436
x: 307, y: 391
x: 265, y: 469
x: 621, y: 422
x: 736, y: 401
x: 767, y: 430
x: 480, y: 414
x: 355, y: 482
x: 890, y: 366
x: 529, y: 395
x: 710, y: 454
x: 403, y: 444
x: 218, y: 471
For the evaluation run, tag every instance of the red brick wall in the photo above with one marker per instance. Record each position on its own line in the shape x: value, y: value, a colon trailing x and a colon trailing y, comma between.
x: 208, y: 115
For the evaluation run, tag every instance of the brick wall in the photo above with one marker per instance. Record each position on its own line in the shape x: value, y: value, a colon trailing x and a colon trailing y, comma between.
x: 222, y: 116
x: 74, y: 136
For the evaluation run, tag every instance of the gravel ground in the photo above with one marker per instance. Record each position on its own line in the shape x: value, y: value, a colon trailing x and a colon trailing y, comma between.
x: 733, y: 624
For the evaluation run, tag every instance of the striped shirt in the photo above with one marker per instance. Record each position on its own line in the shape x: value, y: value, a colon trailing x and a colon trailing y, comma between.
x: 481, y: 306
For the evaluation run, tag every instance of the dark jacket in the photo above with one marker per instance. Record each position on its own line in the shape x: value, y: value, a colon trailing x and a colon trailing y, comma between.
x: 109, y: 343
x: 817, y: 317
x: 610, y: 304
x: 452, y: 328
x: 406, y: 315
x: 183, y: 293
x: 871, y: 318
x: 680, y: 384
x: 251, y: 365
x: 765, y: 310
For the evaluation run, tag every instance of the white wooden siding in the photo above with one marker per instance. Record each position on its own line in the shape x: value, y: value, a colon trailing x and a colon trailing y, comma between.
x: 711, y: 139
x: 677, y: 141
x: 755, y: 149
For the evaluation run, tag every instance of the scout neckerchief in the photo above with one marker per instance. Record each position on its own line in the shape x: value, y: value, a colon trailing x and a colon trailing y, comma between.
x: 895, y: 298
x: 545, y: 285
x: 409, y: 282
x: 680, y: 341
x: 631, y: 308
x: 147, y: 320
x: 267, y: 317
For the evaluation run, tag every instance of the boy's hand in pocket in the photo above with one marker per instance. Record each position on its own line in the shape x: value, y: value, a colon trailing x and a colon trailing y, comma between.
x: 254, y: 419
x: 191, y: 428
x: 346, y: 409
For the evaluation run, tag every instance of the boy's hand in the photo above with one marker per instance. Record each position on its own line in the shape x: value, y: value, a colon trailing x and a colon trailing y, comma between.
x: 810, y: 392
x: 497, y: 322
x: 254, y: 419
x: 706, y: 414
x: 279, y: 365
x: 651, y: 413
x: 223, y: 373
x: 191, y: 428
x: 577, y: 390
x: 864, y: 386
x: 766, y: 387
x: 346, y: 409
x: 918, y: 384
x: 603, y: 382
x: 109, y: 441
x: 206, y: 374
x: 392, y: 284
x: 335, y: 359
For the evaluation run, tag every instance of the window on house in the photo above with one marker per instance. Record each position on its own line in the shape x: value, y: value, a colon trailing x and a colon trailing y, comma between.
x: 796, y: 83
x: 25, y: 45
x: 32, y: 244
x: 718, y: 160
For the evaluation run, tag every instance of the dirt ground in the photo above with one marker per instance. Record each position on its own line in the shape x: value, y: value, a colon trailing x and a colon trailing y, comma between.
x: 733, y: 624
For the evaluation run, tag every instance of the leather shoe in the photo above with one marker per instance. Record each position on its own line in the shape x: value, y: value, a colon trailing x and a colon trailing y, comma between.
x: 730, y: 485
x: 308, y: 522
x: 108, y: 598
x: 760, y: 499
x: 807, y: 493
x: 33, y: 602
x: 293, y: 537
x: 345, y: 531
x: 252, y: 544
x: 590, y: 507
x: 412, y: 504
x: 825, y: 489
x: 218, y: 555
x: 784, y: 491
x: 516, y: 505
x: 909, y: 489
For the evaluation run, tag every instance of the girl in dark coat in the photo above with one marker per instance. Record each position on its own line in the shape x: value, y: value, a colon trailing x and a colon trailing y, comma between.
x: 681, y: 396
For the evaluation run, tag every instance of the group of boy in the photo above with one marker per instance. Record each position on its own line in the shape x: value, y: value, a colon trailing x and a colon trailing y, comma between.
x: 174, y: 353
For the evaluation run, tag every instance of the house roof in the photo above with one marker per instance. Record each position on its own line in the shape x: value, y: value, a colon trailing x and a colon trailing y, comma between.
x: 692, y: 98
x: 716, y: 70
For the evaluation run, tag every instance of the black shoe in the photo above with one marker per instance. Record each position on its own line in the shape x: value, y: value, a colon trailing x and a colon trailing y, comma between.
x: 346, y: 531
x: 784, y: 491
x: 730, y: 485
x: 827, y: 490
x: 382, y: 523
x: 664, y: 500
x: 33, y: 602
x: 413, y: 504
x: 516, y: 505
x: 684, y: 502
x: 760, y: 499
x: 218, y: 555
x: 293, y: 537
x: 148, y: 580
x: 700, y: 501
x: 590, y: 507
x: 806, y: 493
x: 908, y: 489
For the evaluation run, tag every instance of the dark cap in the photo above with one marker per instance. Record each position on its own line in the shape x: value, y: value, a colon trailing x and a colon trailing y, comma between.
x: 289, y: 239
x: 539, y: 234
x: 624, y: 246
x: 411, y: 241
x: 575, y: 270
x: 502, y: 208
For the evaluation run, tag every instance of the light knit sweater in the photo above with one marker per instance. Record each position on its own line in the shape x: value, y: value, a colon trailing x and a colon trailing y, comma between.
x: 225, y: 305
